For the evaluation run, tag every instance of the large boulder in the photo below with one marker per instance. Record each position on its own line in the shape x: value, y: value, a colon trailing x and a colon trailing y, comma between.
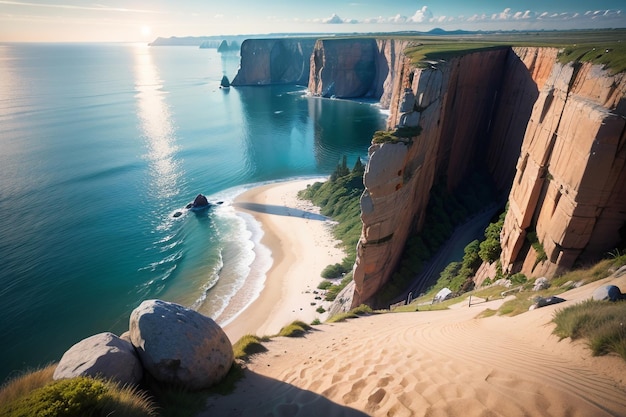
x: 179, y: 345
x: 607, y: 293
x: 102, y: 355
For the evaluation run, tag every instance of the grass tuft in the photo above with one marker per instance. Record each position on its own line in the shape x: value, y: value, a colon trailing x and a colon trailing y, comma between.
x: 601, y: 323
x: 362, y: 310
x: 296, y: 329
x: 248, y: 345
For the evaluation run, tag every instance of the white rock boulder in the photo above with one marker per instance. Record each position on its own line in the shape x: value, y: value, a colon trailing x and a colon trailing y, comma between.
x: 179, y: 345
x: 102, y: 355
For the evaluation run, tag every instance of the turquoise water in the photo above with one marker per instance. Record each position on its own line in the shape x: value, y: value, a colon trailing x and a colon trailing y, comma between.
x: 101, y: 144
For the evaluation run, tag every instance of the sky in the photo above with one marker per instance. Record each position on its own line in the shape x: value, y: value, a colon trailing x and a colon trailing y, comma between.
x: 144, y: 20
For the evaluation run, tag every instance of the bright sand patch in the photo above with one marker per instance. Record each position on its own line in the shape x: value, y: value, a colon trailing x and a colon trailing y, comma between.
x: 302, y: 246
x: 439, y: 363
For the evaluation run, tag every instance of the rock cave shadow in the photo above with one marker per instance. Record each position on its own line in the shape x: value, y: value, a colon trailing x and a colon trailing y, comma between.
x: 281, y: 211
x: 258, y: 395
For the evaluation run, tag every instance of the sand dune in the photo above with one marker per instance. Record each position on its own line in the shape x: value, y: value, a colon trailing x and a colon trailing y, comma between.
x: 440, y: 363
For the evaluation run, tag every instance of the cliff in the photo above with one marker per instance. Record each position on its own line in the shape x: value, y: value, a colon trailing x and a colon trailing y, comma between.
x: 563, y: 125
x: 570, y: 186
x: 551, y: 136
x: 453, y: 103
x: 355, y: 68
x: 274, y: 61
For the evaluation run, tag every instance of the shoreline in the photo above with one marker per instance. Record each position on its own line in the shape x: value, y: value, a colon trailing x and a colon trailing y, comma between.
x: 301, y: 246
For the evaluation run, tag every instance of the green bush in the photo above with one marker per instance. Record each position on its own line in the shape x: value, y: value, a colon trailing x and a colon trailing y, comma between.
x: 248, y: 345
x: 80, y: 397
x: 324, y: 285
x: 334, y: 290
x: 333, y: 271
x: 320, y: 310
x: 295, y: 329
x: 518, y: 279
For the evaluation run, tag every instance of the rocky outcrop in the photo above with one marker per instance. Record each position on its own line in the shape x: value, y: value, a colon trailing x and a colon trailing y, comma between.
x: 570, y: 186
x: 103, y: 355
x: 180, y: 346
x: 274, y: 61
x: 568, y: 183
x: 453, y: 106
x: 354, y: 68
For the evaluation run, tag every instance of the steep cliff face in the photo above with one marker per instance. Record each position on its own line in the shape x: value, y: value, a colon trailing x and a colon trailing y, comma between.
x: 570, y: 186
x: 274, y: 61
x: 453, y: 104
x: 552, y: 137
x: 350, y: 68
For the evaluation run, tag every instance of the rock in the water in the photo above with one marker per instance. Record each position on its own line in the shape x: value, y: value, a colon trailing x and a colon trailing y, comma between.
x: 200, y: 201
x: 607, y: 292
x: 102, y: 355
x: 179, y: 345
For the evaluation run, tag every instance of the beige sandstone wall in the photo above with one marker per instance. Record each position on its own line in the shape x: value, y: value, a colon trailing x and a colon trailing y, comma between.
x: 571, y: 176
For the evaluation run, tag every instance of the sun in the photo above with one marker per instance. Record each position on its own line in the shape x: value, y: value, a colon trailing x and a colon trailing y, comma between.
x: 145, y: 30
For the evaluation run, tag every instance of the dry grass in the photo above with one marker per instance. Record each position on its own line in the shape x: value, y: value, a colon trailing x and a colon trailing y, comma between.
x: 248, y: 345
x: 25, y: 383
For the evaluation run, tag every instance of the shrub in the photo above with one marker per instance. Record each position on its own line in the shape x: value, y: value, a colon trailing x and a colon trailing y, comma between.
x: 80, y: 397
x: 324, y: 285
x: 248, y: 345
x: 518, y: 278
x: 334, y: 290
x: 320, y: 310
x: 295, y: 329
x: 333, y: 271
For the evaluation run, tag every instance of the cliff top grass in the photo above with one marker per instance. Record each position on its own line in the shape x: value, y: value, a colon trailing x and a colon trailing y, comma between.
x: 602, y: 47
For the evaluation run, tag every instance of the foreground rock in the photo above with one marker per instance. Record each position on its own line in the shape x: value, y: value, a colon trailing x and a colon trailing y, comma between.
x: 102, y: 355
x: 178, y: 345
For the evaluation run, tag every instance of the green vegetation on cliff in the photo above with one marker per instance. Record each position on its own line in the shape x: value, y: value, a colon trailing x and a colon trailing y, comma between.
x: 602, y: 47
x: 338, y: 198
x: 446, y: 210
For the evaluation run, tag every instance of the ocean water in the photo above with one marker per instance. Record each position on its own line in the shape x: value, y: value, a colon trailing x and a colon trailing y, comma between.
x: 100, y: 144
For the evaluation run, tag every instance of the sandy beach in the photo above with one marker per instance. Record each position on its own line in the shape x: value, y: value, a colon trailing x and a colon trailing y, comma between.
x: 439, y: 363
x: 430, y: 363
x: 302, y: 246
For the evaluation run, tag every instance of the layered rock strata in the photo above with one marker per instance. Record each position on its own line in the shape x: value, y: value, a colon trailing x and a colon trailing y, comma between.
x: 274, y: 61
x: 567, y: 182
x: 355, y: 68
x: 478, y: 109
x: 570, y: 186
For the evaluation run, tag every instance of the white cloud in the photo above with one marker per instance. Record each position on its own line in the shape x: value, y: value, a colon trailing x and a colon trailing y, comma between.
x: 511, y: 18
x: 334, y: 19
x: 398, y: 19
x: 523, y: 15
x: 422, y: 15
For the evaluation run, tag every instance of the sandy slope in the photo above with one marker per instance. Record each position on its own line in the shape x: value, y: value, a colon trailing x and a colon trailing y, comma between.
x: 445, y: 363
